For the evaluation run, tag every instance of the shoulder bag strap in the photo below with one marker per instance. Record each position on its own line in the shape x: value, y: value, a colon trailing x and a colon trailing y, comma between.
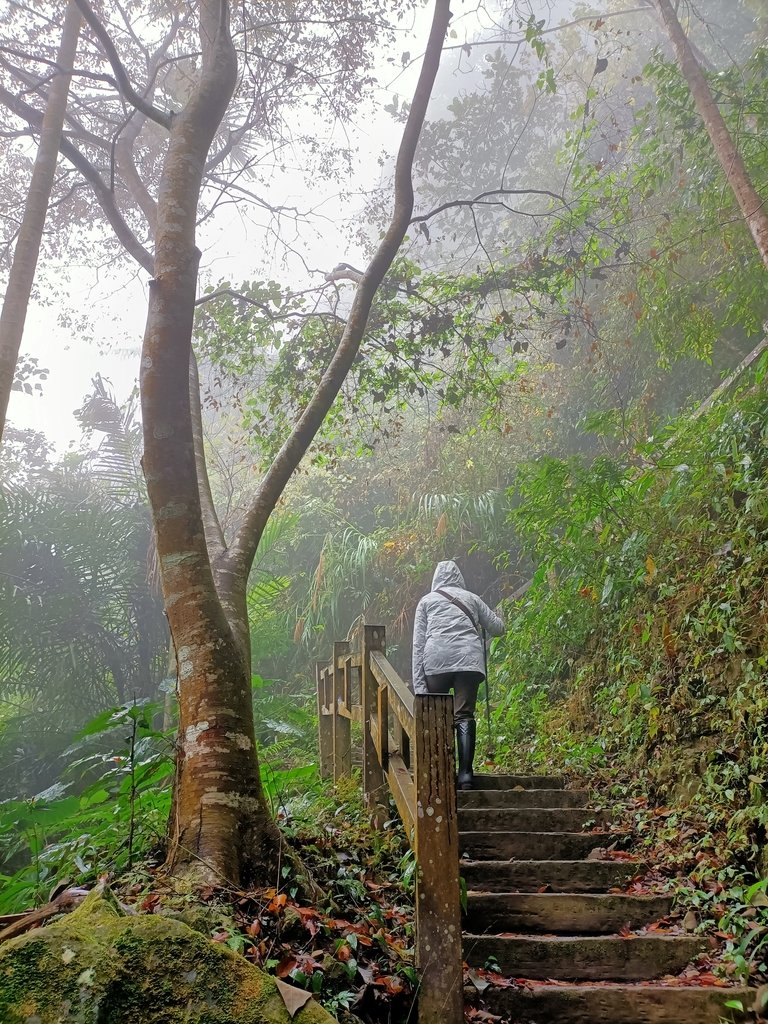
x: 461, y: 606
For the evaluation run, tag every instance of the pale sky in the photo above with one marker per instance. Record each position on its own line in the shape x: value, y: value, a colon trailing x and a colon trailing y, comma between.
x: 232, y: 249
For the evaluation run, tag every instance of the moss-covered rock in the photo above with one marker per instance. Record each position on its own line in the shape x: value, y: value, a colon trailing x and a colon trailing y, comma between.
x: 101, y: 966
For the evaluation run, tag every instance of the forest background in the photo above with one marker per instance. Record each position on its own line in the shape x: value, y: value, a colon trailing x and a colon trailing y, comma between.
x: 576, y: 280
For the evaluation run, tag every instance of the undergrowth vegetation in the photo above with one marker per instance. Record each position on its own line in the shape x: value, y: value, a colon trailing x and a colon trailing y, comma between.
x: 637, y: 656
x: 106, y: 819
x: 110, y: 806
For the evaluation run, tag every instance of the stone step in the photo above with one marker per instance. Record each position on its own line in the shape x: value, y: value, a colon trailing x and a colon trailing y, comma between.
x: 585, y: 958
x: 531, y: 819
x: 561, y: 913
x: 574, y: 876
x: 523, y: 798
x: 616, y: 1004
x: 542, y: 845
x: 518, y: 782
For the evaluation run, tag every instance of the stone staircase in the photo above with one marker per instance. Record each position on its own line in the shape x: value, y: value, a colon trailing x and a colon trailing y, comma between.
x: 560, y: 923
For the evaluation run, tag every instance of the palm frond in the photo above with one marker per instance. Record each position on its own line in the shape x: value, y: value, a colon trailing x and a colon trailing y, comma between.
x: 116, y: 461
x: 485, y: 508
x: 79, y: 623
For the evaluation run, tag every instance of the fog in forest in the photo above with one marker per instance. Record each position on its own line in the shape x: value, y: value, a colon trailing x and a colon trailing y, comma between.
x: 576, y: 277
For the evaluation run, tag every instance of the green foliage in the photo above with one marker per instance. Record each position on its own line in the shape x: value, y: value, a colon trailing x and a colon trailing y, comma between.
x: 81, y: 630
x: 430, y: 336
x: 109, y: 808
x: 652, y: 207
x: 286, y: 734
x: 638, y: 653
x: 362, y: 933
x: 83, y: 627
x: 608, y: 537
x: 270, y: 599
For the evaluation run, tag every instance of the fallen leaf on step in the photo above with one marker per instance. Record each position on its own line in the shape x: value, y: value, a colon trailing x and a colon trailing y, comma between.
x: 294, y: 998
x: 599, y: 853
x: 286, y: 965
x: 691, y: 921
x: 761, y: 1000
x: 480, y: 983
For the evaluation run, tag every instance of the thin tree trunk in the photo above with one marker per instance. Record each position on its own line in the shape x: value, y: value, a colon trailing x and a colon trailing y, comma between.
x: 214, y: 535
x: 239, y: 557
x: 750, y: 203
x: 24, y: 265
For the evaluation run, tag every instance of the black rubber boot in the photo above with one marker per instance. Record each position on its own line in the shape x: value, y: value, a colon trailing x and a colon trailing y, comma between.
x: 466, y: 731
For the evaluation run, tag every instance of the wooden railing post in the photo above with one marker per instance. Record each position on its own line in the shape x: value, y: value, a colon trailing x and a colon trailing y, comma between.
x: 374, y: 782
x: 424, y: 791
x: 324, y: 726
x: 382, y: 702
x: 342, y: 726
x: 436, y: 845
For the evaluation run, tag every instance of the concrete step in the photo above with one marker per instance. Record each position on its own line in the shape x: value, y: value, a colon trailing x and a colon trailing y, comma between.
x: 523, y: 798
x: 542, y: 845
x: 561, y: 913
x: 531, y: 819
x: 518, y: 782
x: 554, y: 875
x: 616, y: 1004
x: 585, y: 958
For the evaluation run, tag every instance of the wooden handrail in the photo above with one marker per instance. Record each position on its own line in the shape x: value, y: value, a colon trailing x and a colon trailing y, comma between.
x: 401, y: 700
x: 408, y: 748
x: 387, y: 676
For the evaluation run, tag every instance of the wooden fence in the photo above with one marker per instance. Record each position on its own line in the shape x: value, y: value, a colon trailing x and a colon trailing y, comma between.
x: 407, y: 748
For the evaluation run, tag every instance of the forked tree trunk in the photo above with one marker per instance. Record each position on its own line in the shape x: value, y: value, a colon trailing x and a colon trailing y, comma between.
x: 221, y: 828
x: 752, y: 206
x: 24, y: 265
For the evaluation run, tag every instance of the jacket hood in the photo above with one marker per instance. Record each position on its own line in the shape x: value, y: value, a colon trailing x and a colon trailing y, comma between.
x: 447, y: 574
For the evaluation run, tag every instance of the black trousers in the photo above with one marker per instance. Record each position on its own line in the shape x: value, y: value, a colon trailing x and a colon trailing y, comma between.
x: 464, y: 685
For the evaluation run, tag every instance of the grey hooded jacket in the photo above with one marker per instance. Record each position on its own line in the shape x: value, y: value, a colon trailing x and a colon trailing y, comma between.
x: 444, y: 639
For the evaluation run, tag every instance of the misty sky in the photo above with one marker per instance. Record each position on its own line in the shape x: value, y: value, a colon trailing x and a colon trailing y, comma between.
x: 235, y: 244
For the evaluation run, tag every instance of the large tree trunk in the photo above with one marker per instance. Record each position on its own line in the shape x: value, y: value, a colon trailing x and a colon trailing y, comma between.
x: 750, y: 203
x: 221, y: 828
x: 24, y: 265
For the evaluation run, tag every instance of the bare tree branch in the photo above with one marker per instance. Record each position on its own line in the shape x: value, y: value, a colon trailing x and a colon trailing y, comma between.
x: 478, y: 200
x: 104, y: 195
x: 243, y: 549
x: 277, y: 315
x: 221, y: 293
x: 518, y: 41
x: 123, y: 81
x: 36, y: 85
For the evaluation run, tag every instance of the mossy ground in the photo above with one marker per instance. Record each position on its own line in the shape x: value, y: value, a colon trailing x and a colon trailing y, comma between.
x: 101, y: 966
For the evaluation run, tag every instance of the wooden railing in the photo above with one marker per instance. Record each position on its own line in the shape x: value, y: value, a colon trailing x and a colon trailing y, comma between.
x: 408, y: 748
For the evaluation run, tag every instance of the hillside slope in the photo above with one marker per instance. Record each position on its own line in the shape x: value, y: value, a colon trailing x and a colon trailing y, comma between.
x: 638, y: 657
